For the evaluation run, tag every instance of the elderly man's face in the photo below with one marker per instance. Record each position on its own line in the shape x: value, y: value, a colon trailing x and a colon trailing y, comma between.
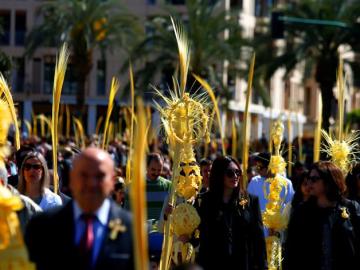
x: 91, y: 180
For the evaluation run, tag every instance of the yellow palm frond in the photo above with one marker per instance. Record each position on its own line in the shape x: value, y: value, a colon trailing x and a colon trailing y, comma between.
x: 234, y: 138
x: 59, y: 76
x: 137, y: 193
x: 343, y: 153
x: 317, y: 135
x: 113, y: 91
x: 5, y: 90
x: 34, y: 122
x: 341, y: 88
x: 184, y: 53
x: 68, y: 122
x: 28, y: 126
x: 246, y: 123
x: 132, y: 112
x: 209, y: 90
x: 79, y: 133
x: 44, y: 120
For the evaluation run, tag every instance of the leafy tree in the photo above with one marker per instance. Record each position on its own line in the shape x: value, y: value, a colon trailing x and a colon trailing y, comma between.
x: 85, y: 25
x: 205, y: 23
x: 313, y: 44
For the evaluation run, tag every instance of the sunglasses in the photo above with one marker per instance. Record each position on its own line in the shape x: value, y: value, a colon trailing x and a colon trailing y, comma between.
x: 313, y: 178
x: 232, y: 173
x: 28, y: 166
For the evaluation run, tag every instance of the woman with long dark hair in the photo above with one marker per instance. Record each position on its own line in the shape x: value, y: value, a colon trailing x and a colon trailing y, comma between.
x: 231, y: 230
x: 324, y: 232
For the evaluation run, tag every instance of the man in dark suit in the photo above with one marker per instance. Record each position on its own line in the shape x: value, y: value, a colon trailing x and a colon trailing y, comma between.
x: 91, y: 232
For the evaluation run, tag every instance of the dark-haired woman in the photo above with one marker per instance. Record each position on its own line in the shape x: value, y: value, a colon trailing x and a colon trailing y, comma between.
x: 324, y: 232
x: 231, y: 230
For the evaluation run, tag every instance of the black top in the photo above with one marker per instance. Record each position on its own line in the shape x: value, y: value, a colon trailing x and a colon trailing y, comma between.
x: 324, y: 238
x: 231, y: 236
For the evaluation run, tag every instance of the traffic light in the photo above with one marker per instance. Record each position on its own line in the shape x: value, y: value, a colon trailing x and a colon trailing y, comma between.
x: 277, y: 25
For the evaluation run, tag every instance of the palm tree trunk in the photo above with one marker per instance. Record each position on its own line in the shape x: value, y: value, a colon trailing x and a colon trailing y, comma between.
x: 82, y: 65
x: 327, y: 97
x: 326, y: 77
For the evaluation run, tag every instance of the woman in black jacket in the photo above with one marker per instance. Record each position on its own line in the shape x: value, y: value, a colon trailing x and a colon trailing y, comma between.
x: 231, y: 230
x: 324, y: 232
x: 353, y: 184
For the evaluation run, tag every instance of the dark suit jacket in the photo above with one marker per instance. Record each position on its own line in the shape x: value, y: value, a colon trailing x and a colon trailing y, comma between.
x: 50, y: 241
x: 248, y: 243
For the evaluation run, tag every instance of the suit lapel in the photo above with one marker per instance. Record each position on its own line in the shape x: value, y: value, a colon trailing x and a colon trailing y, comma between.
x: 106, y: 239
x: 68, y: 227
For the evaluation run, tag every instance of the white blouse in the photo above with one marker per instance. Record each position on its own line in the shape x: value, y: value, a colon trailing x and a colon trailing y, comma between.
x: 49, y: 200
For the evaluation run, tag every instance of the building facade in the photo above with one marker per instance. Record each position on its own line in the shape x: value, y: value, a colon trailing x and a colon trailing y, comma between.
x: 32, y: 77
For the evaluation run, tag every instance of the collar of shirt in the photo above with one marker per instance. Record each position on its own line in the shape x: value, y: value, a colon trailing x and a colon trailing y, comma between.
x: 153, y: 181
x: 99, y: 226
x: 102, y: 213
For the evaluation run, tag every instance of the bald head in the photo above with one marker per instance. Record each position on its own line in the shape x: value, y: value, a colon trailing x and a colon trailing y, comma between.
x: 94, y: 154
x: 91, y: 179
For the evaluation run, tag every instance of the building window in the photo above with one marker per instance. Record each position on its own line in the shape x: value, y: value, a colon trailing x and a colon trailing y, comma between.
x: 70, y: 83
x: 20, y: 28
x: 36, y: 76
x: 151, y: 2
x: 49, y: 69
x: 18, y: 75
x: 101, y: 78
x: 5, y: 24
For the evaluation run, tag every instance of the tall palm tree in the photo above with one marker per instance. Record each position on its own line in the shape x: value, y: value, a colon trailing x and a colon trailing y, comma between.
x: 316, y: 45
x: 205, y: 24
x: 85, y: 25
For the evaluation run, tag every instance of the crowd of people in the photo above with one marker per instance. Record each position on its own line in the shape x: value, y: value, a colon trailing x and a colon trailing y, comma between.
x: 87, y: 224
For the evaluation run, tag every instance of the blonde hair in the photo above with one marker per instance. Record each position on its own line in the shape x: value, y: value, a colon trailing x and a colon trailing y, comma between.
x: 45, y: 179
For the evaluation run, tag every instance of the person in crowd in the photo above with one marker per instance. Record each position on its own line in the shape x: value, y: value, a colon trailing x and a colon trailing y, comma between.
x: 30, y: 208
x: 119, y: 191
x: 298, y: 170
x: 353, y: 183
x: 157, y: 187
x: 65, y: 165
x: 166, y: 171
x: 257, y: 183
x: 231, y: 230
x: 91, y: 232
x: 324, y: 232
x: 34, y: 179
x: 205, y: 167
x: 302, y: 190
x: 19, y: 157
